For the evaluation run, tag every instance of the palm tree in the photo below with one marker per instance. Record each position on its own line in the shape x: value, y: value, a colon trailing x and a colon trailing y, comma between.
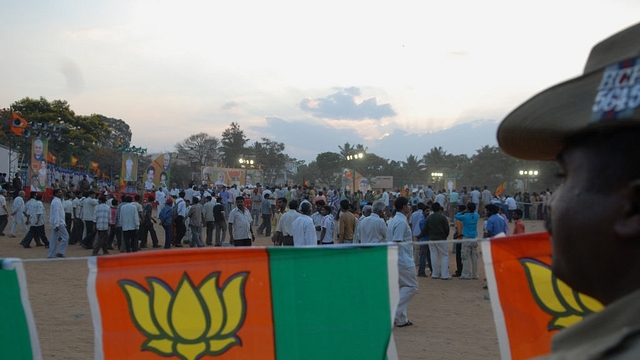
x: 413, y: 169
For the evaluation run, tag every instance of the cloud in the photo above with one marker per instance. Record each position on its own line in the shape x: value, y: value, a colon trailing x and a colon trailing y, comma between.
x: 343, y: 105
x: 230, y: 106
x: 306, y: 138
x: 73, y: 75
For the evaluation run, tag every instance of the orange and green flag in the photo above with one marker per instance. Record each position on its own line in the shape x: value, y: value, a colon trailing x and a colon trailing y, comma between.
x: 17, y: 328
x: 258, y: 303
x: 529, y: 303
x: 500, y: 188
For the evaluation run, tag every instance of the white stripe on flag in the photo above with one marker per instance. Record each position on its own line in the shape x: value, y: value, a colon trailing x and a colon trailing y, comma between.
x: 98, y: 352
x: 394, y: 296
x: 496, y: 306
x: 11, y: 264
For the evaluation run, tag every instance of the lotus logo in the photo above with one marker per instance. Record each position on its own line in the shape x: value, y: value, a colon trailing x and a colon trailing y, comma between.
x: 189, y: 322
x: 556, y: 298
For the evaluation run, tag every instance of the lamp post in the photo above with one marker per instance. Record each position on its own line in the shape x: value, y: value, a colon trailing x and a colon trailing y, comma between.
x: 528, y: 174
x: 351, y: 158
x: 437, y: 176
x: 245, y: 163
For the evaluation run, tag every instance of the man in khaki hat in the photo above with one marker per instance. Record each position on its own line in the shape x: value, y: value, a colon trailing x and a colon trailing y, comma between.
x: 591, y: 126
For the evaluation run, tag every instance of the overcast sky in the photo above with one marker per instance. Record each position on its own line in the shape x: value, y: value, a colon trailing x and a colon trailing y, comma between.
x: 399, y: 77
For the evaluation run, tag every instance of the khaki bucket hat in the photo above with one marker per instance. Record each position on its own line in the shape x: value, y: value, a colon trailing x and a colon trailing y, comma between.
x: 606, y: 95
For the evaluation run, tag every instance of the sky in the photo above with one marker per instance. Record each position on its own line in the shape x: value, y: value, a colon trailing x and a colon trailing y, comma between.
x: 399, y: 77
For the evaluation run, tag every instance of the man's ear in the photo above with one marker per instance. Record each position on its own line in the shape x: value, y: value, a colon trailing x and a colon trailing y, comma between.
x: 629, y: 225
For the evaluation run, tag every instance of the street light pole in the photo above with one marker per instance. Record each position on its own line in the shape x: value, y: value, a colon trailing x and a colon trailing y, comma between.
x: 528, y: 174
x: 351, y: 158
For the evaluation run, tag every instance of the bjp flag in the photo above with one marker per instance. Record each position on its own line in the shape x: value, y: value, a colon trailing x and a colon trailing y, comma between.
x: 74, y: 161
x: 17, y: 328
x: 93, y: 165
x: 529, y: 303
x: 18, y: 123
x: 258, y: 303
x: 500, y: 188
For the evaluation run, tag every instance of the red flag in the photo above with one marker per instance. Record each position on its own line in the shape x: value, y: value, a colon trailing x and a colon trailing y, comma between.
x: 93, y: 165
x: 74, y: 161
x: 18, y: 124
x: 51, y: 158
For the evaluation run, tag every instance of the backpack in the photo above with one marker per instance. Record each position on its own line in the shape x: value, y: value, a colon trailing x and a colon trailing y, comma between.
x: 174, y: 211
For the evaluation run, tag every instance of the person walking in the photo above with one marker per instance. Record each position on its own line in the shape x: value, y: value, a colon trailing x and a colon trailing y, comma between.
x: 59, y: 233
x: 17, y: 214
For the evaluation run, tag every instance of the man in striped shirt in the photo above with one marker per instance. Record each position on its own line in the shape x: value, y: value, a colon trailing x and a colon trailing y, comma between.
x: 101, y: 215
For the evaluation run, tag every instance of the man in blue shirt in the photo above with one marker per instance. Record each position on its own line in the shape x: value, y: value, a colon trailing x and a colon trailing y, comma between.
x: 495, y: 224
x: 469, y: 250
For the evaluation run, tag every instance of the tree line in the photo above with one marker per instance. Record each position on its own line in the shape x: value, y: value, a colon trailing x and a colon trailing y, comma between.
x: 99, y: 138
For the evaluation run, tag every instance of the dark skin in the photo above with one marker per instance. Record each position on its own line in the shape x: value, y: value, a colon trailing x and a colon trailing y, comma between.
x: 240, y: 206
x: 595, y: 252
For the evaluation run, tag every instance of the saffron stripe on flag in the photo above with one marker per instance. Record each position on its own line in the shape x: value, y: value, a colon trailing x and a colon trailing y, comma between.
x: 17, y: 328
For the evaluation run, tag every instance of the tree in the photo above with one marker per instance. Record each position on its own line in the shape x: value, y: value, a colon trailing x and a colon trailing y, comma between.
x: 413, y: 169
x: 489, y: 166
x: 120, y: 133
x: 233, y: 142
x: 199, y: 149
x: 435, y: 158
x: 329, y: 164
x: 270, y: 155
x: 81, y: 137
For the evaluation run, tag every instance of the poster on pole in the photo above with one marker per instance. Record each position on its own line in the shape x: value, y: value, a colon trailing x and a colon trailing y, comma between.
x: 129, y: 167
x: 38, y: 168
x: 159, y: 172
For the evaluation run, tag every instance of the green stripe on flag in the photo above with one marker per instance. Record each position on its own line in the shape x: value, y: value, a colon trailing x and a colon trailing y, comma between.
x: 16, y: 339
x: 331, y: 302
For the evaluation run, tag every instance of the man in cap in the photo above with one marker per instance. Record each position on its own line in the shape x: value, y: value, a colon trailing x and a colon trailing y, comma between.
x: 591, y: 125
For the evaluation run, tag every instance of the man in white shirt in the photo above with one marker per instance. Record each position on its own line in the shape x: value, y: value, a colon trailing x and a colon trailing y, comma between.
x: 88, y: 206
x: 511, y: 205
x: 304, y: 233
x: 59, y: 233
x: 130, y: 221
x: 4, y: 213
x: 161, y: 198
x: 399, y: 232
x: 475, y: 197
x: 385, y: 199
x: 17, y: 214
x: 373, y: 229
x: 328, y: 226
x: 240, y: 230
x: 285, y: 225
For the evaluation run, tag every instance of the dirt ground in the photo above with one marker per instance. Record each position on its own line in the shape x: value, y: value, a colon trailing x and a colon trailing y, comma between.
x: 452, y: 319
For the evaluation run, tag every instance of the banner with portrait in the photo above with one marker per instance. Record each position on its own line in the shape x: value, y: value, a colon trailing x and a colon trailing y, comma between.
x: 231, y: 176
x: 38, y: 168
x: 158, y: 173
x: 129, y: 167
x: 253, y: 177
x: 362, y: 183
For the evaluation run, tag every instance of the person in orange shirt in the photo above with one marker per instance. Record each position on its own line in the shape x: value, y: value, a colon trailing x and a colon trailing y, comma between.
x: 518, y: 227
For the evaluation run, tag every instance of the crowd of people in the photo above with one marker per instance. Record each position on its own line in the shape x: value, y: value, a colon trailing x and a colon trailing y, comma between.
x: 203, y: 215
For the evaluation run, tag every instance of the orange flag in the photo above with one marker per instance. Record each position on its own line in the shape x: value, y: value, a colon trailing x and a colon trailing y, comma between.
x: 252, y: 303
x: 51, y: 158
x: 74, y: 161
x: 501, y: 188
x: 529, y: 303
x: 93, y: 165
x: 18, y: 124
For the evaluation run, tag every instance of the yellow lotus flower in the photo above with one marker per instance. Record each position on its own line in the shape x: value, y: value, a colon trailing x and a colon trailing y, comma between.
x: 189, y: 322
x: 556, y: 298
